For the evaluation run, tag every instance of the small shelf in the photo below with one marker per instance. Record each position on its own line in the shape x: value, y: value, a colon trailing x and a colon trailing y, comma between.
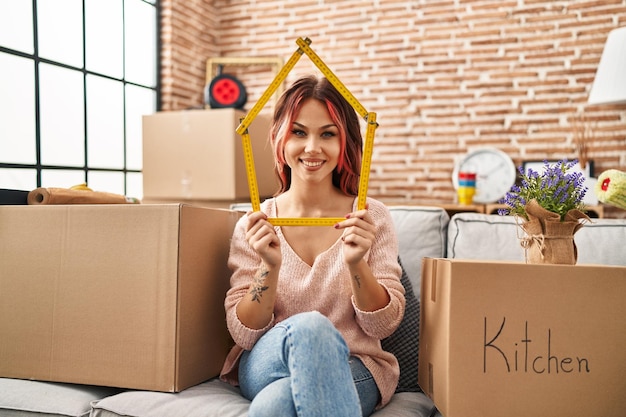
x: 595, y: 212
x: 454, y: 208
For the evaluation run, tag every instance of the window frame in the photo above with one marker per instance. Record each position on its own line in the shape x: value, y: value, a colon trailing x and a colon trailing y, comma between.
x: 37, y: 61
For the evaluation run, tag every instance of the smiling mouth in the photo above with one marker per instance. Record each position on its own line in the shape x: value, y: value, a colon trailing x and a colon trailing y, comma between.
x: 312, y: 164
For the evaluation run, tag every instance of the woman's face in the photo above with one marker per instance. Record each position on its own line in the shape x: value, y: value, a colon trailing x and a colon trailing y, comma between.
x: 313, y: 144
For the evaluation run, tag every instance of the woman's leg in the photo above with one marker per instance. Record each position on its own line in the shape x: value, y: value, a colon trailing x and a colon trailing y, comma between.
x: 306, y: 355
x: 274, y: 400
x: 369, y: 395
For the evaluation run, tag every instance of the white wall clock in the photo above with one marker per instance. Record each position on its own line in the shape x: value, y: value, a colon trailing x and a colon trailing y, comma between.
x: 495, y: 173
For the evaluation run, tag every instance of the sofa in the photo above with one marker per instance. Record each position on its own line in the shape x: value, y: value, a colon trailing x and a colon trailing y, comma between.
x: 422, y: 232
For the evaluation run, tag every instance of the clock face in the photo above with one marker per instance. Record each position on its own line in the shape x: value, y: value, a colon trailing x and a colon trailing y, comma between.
x: 495, y: 173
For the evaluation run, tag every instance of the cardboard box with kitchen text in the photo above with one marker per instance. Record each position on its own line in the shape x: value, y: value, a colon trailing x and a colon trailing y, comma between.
x: 513, y: 339
x: 198, y: 155
x: 129, y: 296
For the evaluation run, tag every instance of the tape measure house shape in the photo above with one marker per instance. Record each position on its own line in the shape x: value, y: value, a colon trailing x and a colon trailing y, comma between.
x: 242, y: 129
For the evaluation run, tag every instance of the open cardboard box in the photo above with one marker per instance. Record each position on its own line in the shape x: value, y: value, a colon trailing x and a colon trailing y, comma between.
x: 513, y: 339
x: 128, y: 296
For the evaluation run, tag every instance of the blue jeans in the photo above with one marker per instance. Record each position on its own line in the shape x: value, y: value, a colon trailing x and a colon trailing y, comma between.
x: 301, y: 367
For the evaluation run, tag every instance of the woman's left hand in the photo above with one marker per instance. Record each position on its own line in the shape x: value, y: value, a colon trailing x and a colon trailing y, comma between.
x: 358, y: 235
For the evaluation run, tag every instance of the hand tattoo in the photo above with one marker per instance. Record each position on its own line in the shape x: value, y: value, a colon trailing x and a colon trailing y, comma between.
x: 257, y: 288
x: 357, y: 279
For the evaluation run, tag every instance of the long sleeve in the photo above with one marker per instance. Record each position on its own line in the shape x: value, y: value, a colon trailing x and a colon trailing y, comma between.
x: 244, y: 263
x: 380, y: 324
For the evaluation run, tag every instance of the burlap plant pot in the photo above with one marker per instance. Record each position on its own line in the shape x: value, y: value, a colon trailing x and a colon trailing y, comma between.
x: 549, y: 240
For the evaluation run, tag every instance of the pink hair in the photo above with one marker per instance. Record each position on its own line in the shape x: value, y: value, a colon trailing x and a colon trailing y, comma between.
x: 346, y: 175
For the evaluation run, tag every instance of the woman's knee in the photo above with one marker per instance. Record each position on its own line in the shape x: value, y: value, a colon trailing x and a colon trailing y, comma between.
x: 274, y: 400
x: 312, y: 323
x: 315, y: 332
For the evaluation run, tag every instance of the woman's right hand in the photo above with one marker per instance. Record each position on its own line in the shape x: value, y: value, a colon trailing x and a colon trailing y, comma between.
x: 262, y: 237
x: 256, y: 309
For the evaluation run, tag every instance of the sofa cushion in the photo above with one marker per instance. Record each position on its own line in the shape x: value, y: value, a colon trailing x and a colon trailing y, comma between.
x: 484, y: 236
x: 495, y: 237
x: 421, y: 232
x: 23, y: 398
x: 215, y: 398
x: 404, y: 342
x: 602, y: 241
x: 211, y: 398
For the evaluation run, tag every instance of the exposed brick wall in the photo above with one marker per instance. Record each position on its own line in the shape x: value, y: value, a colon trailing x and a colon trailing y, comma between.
x: 189, y: 36
x: 443, y: 76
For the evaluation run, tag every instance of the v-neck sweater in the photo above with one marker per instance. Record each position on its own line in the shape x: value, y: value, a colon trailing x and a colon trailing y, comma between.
x: 324, y: 287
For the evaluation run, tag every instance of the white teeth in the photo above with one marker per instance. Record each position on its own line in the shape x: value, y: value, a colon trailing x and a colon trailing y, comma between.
x: 312, y: 163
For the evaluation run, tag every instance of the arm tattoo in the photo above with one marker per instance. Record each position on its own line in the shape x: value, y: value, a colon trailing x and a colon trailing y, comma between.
x: 257, y: 288
x: 357, y: 279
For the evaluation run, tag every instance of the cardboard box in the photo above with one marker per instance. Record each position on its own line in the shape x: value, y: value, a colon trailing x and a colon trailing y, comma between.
x: 128, y: 296
x: 198, y: 155
x: 511, y: 339
x: 223, y: 204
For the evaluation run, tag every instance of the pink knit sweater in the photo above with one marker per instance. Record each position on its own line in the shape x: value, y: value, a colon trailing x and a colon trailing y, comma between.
x: 324, y: 287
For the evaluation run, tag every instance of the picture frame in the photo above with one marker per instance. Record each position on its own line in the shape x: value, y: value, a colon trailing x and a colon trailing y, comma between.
x: 538, y: 166
x: 588, y: 172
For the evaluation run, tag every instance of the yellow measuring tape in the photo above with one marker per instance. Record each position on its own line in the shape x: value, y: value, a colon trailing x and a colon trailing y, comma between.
x: 242, y: 129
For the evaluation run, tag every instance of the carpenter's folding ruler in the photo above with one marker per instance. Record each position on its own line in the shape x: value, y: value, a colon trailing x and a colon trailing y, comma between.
x: 370, y: 118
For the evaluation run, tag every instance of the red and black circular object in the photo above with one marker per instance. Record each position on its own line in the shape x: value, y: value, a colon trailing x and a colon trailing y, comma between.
x: 226, y: 91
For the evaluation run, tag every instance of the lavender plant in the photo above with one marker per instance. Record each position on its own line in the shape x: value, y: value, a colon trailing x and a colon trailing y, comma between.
x: 555, y: 189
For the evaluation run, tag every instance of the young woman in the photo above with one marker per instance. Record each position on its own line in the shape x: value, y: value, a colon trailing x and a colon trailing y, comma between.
x: 308, y: 306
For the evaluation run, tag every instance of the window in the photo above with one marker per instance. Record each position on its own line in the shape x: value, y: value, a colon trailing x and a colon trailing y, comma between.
x: 76, y: 78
